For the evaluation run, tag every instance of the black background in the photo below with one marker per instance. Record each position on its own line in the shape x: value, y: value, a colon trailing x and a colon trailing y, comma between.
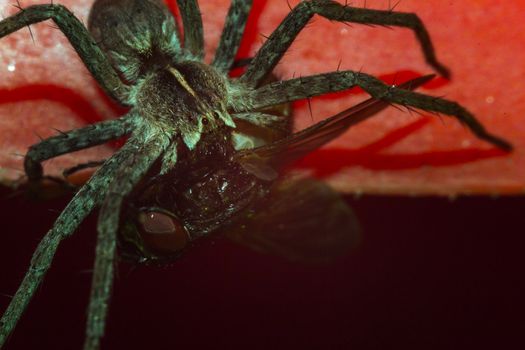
x: 431, y: 273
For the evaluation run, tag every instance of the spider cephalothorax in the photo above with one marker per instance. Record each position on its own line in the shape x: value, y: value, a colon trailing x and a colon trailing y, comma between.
x: 187, y: 168
x: 187, y: 99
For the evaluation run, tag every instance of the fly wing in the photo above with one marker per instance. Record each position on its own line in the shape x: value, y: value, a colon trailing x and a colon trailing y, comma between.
x: 302, y: 220
x: 289, y: 149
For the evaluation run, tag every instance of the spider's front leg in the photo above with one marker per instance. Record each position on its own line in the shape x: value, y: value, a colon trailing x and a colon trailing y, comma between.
x: 75, y: 140
x: 231, y: 35
x: 281, y: 39
x: 301, y: 88
x: 86, y: 199
x: 148, y: 148
x: 86, y: 47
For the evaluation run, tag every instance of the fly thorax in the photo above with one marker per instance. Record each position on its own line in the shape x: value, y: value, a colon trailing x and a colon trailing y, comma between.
x: 188, y: 99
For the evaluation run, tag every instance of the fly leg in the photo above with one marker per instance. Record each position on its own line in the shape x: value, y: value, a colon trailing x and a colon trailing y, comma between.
x: 86, y: 47
x: 262, y: 119
x: 281, y: 39
x: 79, y: 167
x: 231, y: 35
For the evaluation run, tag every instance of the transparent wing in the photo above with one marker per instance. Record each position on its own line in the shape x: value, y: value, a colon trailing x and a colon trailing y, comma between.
x: 289, y: 149
x: 302, y: 220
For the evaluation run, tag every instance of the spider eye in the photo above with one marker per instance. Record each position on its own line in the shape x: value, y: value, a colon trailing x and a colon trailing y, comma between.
x: 162, y: 232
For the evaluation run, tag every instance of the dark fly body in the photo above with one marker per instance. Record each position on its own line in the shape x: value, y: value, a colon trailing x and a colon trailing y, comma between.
x: 205, y: 152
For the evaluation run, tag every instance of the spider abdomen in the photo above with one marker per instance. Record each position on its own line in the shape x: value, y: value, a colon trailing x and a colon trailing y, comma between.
x: 136, y: 34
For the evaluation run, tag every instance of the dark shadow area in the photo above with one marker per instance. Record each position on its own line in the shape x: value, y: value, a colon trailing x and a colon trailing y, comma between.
x: 429, y: 274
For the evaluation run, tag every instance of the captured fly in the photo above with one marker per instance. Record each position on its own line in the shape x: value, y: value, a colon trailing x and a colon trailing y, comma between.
x: 204, y: 152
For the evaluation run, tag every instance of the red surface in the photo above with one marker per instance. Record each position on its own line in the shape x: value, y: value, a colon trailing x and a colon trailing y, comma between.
x: 440, y: 157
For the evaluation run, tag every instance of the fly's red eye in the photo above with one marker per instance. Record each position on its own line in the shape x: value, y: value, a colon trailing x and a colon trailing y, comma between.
x: 161, y: 232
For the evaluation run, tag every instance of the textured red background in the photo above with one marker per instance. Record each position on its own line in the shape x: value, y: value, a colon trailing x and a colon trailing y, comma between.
x: 393, y: 153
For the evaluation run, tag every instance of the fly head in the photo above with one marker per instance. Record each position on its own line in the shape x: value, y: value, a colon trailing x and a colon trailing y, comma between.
x: 173, y: 212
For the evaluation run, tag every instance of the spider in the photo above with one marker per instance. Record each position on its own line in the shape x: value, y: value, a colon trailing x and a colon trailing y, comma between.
x: 187, y: 168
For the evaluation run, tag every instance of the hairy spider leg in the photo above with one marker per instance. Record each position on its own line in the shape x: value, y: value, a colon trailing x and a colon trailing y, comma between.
x: 86, y: 47
x: 128, y: 174
x: 284, y: 152
x: 192, y: 27
x: 86, y: 199
x: 280, y: 40
x: 231, y: 35
x: 74, y: 140
x: 305, y: 87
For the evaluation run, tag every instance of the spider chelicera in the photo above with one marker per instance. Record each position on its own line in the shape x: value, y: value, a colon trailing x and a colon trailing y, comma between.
x: 187, y: 168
